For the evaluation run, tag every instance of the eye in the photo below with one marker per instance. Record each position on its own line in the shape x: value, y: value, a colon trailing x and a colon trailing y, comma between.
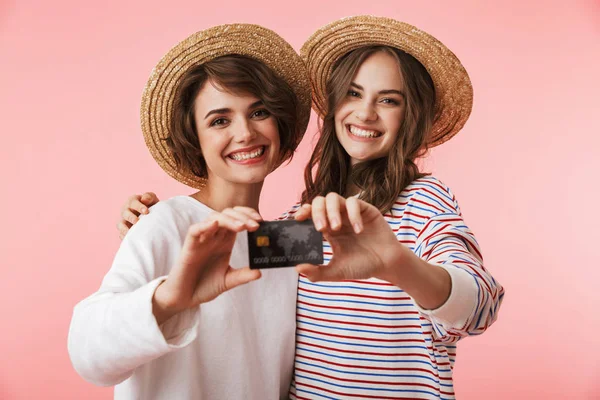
x: 219, y: 122
x: 260, y: 114
x: 387, y: 100
x: 353, y: 93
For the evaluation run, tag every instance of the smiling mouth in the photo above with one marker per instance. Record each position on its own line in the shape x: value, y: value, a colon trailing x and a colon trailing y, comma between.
x: 363, y: 133
x: 247, y: 155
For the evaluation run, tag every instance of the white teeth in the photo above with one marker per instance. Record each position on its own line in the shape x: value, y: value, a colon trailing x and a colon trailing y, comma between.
x: 363, y: 133
x: 247, y: 156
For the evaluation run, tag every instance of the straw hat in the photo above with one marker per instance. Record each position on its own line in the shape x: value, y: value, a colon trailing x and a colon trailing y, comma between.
x: 248, y: 40
x: 453, y: 90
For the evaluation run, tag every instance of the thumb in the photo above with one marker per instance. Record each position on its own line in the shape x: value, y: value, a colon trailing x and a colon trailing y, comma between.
x: 238, y: 276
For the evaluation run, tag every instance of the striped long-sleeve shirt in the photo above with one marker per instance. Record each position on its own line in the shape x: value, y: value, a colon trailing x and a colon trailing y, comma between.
x: 368, y: 339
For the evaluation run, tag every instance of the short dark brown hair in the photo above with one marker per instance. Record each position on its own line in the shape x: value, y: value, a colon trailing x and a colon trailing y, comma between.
x: 238, y: 74
x: 380, y: 180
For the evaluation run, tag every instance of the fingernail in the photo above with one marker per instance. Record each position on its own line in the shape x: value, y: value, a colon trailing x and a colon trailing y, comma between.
x: 253, y: 223
x: 357, y: 228
x: 335, y: 223
x: 145, y: 210
x: 318, y: 224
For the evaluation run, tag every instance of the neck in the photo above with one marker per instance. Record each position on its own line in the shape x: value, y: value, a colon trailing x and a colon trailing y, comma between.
x: 220, y: 195
x: 351, y: 189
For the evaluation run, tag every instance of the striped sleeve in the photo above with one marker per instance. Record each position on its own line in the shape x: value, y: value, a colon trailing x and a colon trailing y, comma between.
x: 475, y: 296
x: 289, y: 214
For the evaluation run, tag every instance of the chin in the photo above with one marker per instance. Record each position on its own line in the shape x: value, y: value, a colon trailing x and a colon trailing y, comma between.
x: 250, y: 178
x: 360, y: 156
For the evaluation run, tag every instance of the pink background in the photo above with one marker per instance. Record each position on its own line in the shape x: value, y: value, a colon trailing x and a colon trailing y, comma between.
x: 523, y: 170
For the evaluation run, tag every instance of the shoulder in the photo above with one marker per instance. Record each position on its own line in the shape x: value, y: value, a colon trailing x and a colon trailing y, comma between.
x: 171, y: 216
x: 180, y: 206
x: 153, y: 244
x: 429, y: 195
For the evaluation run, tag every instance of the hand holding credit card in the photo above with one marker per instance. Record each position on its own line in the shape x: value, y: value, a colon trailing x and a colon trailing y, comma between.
x: 285, y: 243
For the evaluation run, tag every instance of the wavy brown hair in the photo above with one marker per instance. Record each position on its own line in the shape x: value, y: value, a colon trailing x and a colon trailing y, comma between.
x: 381, y: 180
x: 236, y: 74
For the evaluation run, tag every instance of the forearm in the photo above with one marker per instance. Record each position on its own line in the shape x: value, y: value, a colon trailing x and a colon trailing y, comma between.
x: 458, y: 302
x: 111, y: 334
x: 429, y: 285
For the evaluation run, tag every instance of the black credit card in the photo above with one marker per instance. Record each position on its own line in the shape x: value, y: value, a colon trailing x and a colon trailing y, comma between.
x: 285, y: 243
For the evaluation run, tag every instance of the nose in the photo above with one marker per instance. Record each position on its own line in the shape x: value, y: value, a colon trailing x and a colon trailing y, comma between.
x: 366, y: 112
x: 244, y: 132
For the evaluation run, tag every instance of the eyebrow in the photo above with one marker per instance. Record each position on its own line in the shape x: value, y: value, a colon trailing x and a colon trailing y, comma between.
x: 217, y: 111
x: 387, y: 91
x: 228, y: 110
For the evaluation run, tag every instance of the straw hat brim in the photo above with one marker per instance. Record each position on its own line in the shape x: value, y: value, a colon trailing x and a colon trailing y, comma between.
x: 453, y: 90
x: 248, y: 40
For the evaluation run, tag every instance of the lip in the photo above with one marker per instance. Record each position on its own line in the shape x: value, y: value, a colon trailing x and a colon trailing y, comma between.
x: 249, y: 161
x: 359, y: 138
x: 245, y: 149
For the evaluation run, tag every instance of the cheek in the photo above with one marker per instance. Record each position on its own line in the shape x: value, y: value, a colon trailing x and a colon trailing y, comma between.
x: 393, y: 121
x: 212, y: 147
x: 344, y: 110
x: 339, y: 129
x: 271, y: 131
x: 340, y: 119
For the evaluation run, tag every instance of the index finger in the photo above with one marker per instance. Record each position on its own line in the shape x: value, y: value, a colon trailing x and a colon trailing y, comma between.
x: 334, y: 204
x: 250, y: 212
x: 136, y: 205
x: 354, y: 216
x: 228, y: 222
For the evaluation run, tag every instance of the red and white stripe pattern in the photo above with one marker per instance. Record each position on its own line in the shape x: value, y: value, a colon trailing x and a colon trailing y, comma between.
x: 366, y: 339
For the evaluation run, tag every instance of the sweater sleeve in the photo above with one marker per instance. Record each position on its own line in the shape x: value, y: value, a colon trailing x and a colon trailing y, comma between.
x: 114, y: 331
x: 475, y: 296
x: 289, y: 214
